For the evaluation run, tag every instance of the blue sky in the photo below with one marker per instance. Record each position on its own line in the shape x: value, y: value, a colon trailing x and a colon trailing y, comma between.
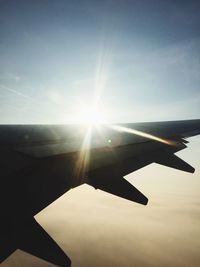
x: 140, y: 59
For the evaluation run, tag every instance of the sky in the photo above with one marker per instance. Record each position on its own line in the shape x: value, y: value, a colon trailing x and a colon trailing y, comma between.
x: 134, y: 61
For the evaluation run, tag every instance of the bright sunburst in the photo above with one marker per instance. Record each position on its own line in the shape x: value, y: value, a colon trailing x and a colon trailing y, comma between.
x: 90, y: 116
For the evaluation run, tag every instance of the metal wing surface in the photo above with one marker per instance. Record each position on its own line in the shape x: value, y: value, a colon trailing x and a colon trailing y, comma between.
x: 93, y: 155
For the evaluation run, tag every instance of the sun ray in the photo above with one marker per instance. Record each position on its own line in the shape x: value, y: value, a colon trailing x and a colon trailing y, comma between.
x: 82, y: 164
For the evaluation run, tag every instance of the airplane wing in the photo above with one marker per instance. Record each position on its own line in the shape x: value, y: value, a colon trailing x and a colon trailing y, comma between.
x: 39, y: 163
x: 172, y: 137
x: 110, y: 152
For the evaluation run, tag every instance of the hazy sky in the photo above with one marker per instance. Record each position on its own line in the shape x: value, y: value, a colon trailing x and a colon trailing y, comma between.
x: 139, y: 61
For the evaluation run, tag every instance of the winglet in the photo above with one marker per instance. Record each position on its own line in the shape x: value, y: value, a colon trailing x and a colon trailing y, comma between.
x: 171, y: 160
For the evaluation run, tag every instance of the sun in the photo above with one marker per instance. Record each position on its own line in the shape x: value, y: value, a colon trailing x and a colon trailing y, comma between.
x: 90, y: 116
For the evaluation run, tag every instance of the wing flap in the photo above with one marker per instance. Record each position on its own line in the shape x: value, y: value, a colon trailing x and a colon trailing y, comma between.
x: 36, y: 241
x: 30, y: 237
x: 118, y: 186
x: 173, y: 161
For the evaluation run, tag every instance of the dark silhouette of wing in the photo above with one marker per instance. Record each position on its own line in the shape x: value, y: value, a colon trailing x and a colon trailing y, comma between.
x: 39, y: 163
x: 30, y: 237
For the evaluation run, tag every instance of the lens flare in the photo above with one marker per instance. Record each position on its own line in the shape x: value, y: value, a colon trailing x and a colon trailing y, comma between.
x: 143, y: 134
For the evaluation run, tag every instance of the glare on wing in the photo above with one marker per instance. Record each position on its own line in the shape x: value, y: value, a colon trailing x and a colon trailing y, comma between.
x: 92, y: 118
x: 143, y: 134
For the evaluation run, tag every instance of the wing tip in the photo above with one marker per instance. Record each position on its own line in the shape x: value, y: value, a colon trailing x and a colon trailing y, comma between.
x: 144, y: 201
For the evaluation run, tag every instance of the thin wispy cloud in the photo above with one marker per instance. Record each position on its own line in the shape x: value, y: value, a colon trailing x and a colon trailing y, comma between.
x: 16, y: 92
